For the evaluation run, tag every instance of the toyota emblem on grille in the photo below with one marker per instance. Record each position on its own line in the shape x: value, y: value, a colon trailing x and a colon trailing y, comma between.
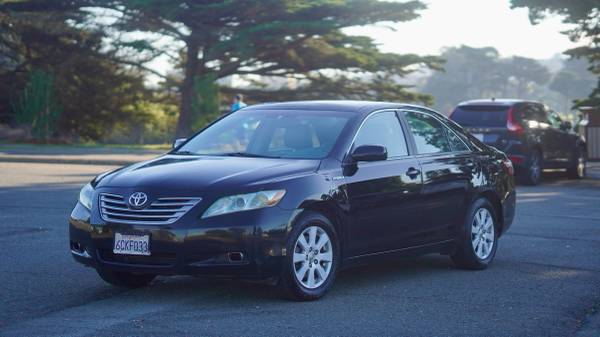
x: 138, y: 199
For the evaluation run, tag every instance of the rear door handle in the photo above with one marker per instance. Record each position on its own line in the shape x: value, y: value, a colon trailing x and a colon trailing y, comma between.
x: 413, y: 172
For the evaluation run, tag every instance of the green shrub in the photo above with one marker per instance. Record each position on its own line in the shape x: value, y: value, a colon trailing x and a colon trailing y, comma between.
x: 37, y: 106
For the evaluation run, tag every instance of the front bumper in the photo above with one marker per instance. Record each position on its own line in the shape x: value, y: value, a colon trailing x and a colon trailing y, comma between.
x: 202, y: 247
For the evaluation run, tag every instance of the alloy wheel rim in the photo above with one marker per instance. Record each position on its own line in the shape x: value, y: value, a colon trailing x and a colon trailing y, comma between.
x: 482, y: 233
x: 313, y: 257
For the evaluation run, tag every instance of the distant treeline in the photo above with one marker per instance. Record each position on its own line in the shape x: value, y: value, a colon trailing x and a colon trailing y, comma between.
x: 84, y: 70
x: 471, y: 73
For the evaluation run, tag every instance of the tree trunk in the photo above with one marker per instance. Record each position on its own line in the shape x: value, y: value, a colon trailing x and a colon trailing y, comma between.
x: 184, y: 128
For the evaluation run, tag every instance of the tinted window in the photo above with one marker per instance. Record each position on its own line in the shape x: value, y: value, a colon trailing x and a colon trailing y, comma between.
x: 383, y: 129
x: 554, y: 118
x: 428, y: 132
x: 480, y: 115
x: 456, y: 143
x: 535, y: 112
x: 303, y: 135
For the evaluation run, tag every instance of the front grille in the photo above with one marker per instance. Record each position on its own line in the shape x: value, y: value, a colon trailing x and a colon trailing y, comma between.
x: 162, y: 211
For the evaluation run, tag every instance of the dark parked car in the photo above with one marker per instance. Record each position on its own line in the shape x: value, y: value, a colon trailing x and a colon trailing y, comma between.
x: 533, y: 136
x: 291, y: 192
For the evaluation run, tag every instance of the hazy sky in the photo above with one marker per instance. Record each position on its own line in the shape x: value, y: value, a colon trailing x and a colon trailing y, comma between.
x: 476, y: 23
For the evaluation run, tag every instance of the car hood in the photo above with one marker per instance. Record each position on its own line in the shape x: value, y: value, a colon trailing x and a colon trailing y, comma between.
x: 176, y: 172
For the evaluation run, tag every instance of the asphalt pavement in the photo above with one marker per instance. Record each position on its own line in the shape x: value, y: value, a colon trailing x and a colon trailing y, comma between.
x: 545, y: 280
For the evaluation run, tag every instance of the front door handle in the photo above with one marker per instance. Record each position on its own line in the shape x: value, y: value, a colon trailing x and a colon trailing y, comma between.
x: 413, y: 172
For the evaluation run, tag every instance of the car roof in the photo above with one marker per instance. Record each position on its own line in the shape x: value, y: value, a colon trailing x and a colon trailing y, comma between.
x: 496, y: 101
x: 358, y: 107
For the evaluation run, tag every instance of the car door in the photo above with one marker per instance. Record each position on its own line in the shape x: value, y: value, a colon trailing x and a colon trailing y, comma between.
x: 448, y: 166
x: 382, y: 195
x: 564, y: 139
x: 541, y: 133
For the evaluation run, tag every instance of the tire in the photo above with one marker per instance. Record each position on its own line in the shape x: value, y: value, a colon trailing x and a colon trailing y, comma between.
x: 471, y: 252
x: 126, y: 280
x: 533, y: 171
x: 577, y: 168
x: 301, y: 278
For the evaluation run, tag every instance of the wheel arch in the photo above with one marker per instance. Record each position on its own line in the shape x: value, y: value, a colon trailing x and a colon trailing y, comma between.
x: 493, y: 198
x: 332, y: 213
x: 538, y: 147
x: 581, y: 144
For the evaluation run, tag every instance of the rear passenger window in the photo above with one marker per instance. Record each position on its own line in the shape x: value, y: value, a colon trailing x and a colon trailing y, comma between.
x: 383, y: 129
x: 428, y: 132
x: 534, y: 112
x: 455, y: 142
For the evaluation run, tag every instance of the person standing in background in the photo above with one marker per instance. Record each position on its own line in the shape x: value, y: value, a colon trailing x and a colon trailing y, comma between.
x: 238, y: 102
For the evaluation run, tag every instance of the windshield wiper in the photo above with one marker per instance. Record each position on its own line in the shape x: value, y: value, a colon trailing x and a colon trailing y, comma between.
x: 247, y: 154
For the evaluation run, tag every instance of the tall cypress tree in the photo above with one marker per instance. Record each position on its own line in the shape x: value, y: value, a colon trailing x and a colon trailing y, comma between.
x: 302, y: 39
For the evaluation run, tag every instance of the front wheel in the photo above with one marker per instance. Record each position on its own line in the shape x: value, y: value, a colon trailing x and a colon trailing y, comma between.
x: 479, y: 238
x: 577, y: 168
x: 127, y: 280
x: 312, y: 260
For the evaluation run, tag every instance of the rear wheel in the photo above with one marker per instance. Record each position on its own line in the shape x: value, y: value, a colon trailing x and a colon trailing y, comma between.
x: 577, y: 168
x: 533, y: 171
x: 124, y: 279
x: 479, y: 238
x: 311, y: 264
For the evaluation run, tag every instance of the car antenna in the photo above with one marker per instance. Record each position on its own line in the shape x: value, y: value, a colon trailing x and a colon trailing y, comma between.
x: 493, y: 99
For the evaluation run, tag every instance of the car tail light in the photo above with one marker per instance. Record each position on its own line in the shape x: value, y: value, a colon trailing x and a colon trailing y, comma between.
x: 507, y: 166
x: 512, y: 125
x: 516, y: 159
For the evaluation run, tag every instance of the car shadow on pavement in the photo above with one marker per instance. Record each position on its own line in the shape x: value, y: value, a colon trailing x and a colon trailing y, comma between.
x: 379, y: 273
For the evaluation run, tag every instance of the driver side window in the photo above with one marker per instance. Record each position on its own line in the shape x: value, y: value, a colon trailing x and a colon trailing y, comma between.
x: 383, y: 128
x: 555, y: 119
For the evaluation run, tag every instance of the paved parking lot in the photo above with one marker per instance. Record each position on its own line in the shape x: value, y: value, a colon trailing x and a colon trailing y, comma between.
x: 545, y: 280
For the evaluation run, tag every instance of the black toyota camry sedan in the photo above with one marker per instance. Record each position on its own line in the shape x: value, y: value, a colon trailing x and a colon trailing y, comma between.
x: 289, y: 193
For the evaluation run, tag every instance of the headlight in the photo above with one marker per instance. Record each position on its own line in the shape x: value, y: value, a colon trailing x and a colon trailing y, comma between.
x: 85, y: 196
x: 244, y: 202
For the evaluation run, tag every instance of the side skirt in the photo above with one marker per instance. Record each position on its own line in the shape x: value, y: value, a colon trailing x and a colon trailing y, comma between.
x: 443, y: 247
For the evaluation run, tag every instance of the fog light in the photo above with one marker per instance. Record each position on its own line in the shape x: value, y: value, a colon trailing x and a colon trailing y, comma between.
x: 79, y: 249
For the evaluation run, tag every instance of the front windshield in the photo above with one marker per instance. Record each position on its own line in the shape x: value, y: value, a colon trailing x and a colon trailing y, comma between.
x: 270, y: 134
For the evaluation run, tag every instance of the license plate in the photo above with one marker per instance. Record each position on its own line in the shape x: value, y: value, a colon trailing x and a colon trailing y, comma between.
x: 131, y: 244
x: 478, y: 136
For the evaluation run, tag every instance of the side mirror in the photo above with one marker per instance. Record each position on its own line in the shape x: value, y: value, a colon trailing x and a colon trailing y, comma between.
x: 566, y: 126
x: 369, y: 153
x: 177, y: 143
